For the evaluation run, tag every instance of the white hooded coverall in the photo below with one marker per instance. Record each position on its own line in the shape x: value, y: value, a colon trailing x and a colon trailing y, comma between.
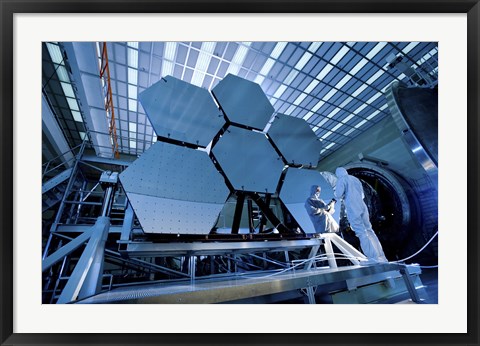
x: 351, y: 190
x: 320, y: 213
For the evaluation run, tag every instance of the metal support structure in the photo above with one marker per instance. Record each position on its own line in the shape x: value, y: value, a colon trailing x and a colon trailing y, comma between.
x: 191, y: 268
x: 66, y: 249
x: 311, y: 255
x: 250, y: 216
x: 67, y: 191
x: 348, y: 250
x: 127, y: 223
x: 263, y: 219
x: 107, y: 201
x: 310, y: 295
x: 410, y: 285
x: 269, y: 214
x: 330, y: 255
x: 237, y: 217
x: 87, y: 275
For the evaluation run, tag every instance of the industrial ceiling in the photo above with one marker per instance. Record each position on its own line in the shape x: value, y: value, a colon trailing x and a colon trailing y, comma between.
x: 337, y: 87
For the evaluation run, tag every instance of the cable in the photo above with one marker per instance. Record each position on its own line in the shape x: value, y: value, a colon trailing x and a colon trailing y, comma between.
x: 416, y: 253
x: 322, y: 257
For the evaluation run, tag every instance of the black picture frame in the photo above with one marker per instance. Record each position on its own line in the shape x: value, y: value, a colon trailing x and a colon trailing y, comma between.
x: 9, y: 8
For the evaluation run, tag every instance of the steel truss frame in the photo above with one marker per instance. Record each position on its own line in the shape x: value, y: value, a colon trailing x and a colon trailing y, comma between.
x: 75, y: 253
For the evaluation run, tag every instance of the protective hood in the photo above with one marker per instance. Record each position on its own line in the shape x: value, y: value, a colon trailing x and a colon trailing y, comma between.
x: 313, y: 190
x: 341, y: 172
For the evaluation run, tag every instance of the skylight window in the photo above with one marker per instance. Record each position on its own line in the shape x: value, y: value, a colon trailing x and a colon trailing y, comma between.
x: 329, y: 95
x: 132, y: 58
x: 409, y: 47
x: 303, y: 61
x: 318, y: 105
x: 371, y: 116
x: 346, y: 102
x: 77, y: 116
x: 132, y: 127
x: 324, y: 120
x: 278, y: 49
x: 72, y: 103
x: 133, y: 144
x: 336, y: 127
x: 291, y: 76
x: 375, y: 77
x: 203, y: 61
x: 427, y: 56
x: 347, y: 119
x: 63, y: 74
x: 359, y: 90
x: 67, y: 89
x: 373, y: 98
x: 55, y: 53
x: 325, y: 136
x: 315, y: 128
x: 290, y: 110
x: 197, y: 78
x: 167, y: 68
x: 132, y: 91
x: 265, y: 70
x: 314, y: 46
x: 359, y: 109
x: 358, y: 66
x: 343, y: 81
x: 132, y: 105
x: 360, y: 124
x: 308, y: 116
x: 376, y: 49
x: 170, y: 48
x: 350, y: 131
x: 324, y: 71
x: 132, y: 76
x: 311, y: 86
x: 267, y: 67
x: 330, y: 145
x: 280, y: 91
x: 82, y: 135
x: 237, y: 60
x: 340, y: 54
x: 299, y: 99
x: 133, y: 44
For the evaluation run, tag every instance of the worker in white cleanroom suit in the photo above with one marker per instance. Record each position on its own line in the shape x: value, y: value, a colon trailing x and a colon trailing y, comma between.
x: 320, y: 212
x: 350, y: 189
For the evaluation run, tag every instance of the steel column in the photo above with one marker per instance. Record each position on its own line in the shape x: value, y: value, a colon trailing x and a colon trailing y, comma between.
x: 330, y: 255
x: 237, y: 217
x: 127, y: 223
x: 91, y: 260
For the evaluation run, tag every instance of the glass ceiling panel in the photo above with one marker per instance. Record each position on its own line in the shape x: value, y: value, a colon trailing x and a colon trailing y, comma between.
x: 335, y: 86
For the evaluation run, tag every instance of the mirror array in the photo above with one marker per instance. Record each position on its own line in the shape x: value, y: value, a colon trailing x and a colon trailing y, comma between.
x: 176, y: 188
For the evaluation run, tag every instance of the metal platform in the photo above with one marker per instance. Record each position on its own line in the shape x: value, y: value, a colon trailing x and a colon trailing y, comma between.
x: 243, y: 287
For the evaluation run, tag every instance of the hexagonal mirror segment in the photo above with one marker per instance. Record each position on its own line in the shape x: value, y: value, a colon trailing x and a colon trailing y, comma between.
x: 243, y: 102
x: 174, y: 189
x: 248, y: 160
x: 295, y: 191
x: 182, y: 111
x: 295, y: 140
